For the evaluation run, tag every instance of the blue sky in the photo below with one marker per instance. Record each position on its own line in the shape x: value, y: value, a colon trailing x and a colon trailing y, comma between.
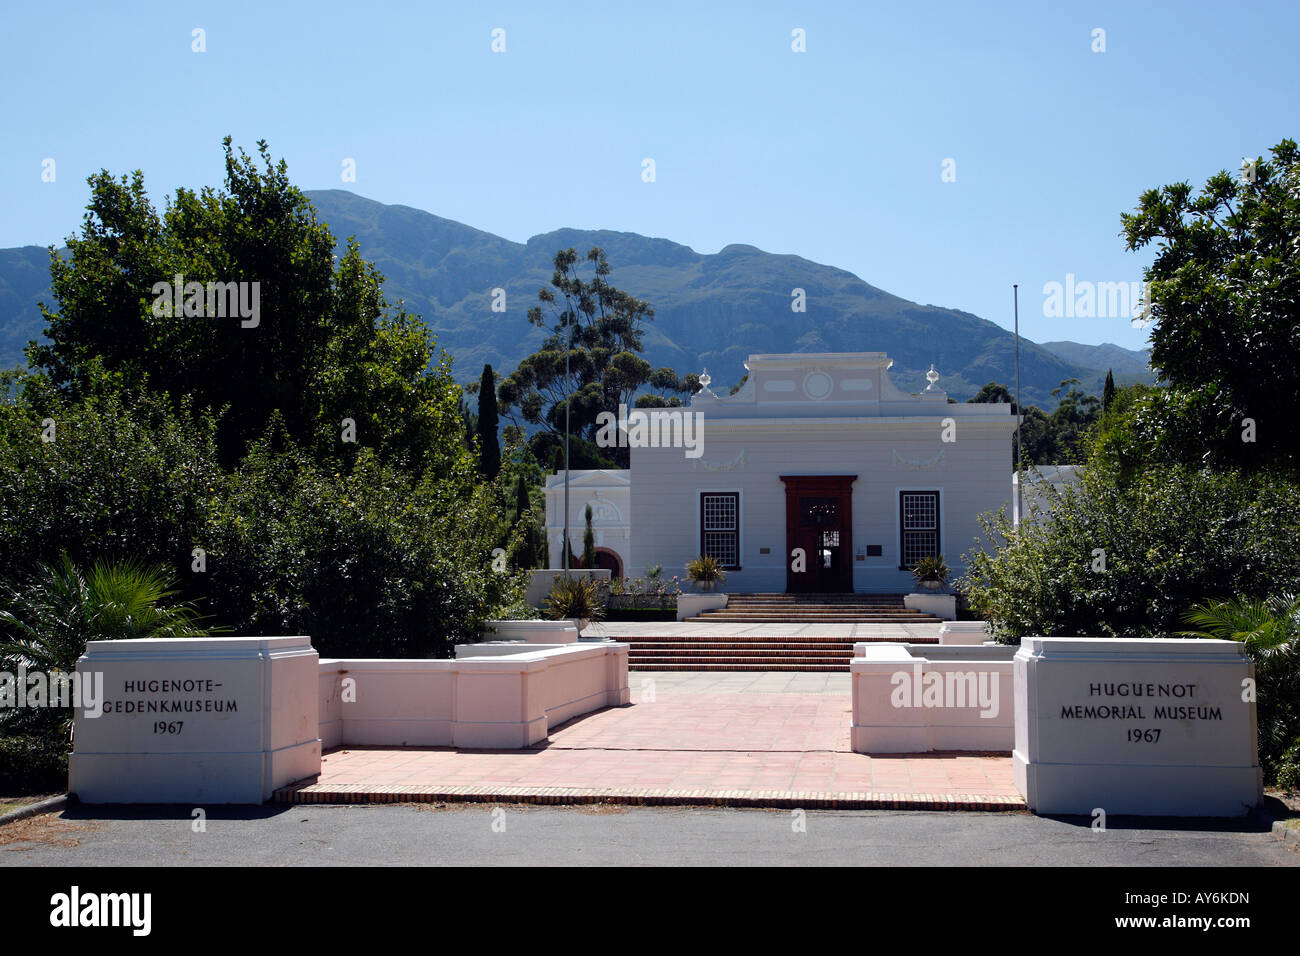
x: 834, y: 154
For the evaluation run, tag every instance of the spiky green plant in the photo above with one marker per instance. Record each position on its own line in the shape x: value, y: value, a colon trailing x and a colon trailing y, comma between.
x: 931, y: 568
x: 576, y: 597
x: 48, y: 619
x: 1270, y: 630
x: 706, y: 568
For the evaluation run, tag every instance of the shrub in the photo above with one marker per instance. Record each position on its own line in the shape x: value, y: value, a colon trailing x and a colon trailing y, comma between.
x: 373, y: 563
x: 34, y: 762
x: 1270, y: 631
x: 123, y: 478
x: 931, y: 568
x: 576, y: 597
x: 706, y: 568
x: 1127, y: 558
x: 1288, y: 769
x: 516, y: 610
x: 50, y: 617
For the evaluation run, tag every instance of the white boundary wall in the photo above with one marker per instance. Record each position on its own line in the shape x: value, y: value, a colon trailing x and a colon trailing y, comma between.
x: 497, y: 696
x: 916, y: 698
x: 231, y: 720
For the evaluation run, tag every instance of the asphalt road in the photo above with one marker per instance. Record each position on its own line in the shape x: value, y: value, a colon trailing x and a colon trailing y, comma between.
x: 528, y: 835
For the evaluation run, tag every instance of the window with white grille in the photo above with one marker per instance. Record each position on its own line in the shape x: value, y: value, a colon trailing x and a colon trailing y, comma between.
x: 720, y: 527
x: 919, y: 520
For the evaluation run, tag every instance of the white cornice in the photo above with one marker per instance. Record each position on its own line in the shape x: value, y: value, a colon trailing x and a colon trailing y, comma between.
x: 793, y: 426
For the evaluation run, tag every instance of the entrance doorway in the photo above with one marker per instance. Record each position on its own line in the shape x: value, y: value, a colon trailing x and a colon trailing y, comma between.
x: 610, y: 561
x: 819, y: 522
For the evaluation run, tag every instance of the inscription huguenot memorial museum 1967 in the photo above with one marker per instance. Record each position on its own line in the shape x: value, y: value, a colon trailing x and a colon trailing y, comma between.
x: 1131, y: 701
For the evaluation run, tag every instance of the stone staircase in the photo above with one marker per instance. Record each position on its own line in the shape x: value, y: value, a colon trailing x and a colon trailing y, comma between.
x: 794, y: 652
x: 816, y: 609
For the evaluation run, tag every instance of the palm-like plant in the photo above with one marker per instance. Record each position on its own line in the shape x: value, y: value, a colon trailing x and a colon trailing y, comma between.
x: 1269, y: 628
x: 49, y: 619
x: 706, y: 568
x: 576, y: 598
x: 931, y: 568
x: 1270, y: 631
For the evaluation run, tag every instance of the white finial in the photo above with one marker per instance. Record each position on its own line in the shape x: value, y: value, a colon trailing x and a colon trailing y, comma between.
x: 705, y: 380
x: 931, y: 376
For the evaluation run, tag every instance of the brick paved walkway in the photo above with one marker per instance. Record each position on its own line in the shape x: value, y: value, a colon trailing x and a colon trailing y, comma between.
x: 732, y: 745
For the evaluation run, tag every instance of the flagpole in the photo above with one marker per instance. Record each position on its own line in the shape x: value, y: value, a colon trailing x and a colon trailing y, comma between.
x: 568, y: 392
x: 1015, y: 293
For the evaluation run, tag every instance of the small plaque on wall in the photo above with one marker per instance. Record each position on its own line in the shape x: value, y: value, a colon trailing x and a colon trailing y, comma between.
x: 764, y: 550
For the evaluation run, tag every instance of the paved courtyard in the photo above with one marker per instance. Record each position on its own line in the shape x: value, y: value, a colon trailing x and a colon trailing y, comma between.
x: 741, y: 739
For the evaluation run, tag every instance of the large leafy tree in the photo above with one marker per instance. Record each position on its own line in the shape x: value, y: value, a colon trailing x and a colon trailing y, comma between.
x: 605, y: 327
x: 321, y: 346
x: 1224, y: 301
x: 1056, y: 439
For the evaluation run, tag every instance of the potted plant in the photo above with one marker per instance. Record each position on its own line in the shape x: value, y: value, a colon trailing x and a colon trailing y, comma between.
x: 577, y: 599
x: 706, y: 572
x: 930, y: 572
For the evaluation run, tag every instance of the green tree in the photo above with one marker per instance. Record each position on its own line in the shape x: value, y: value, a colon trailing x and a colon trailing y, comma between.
x: 375, y: 562
x: 489, y: 443
x: 1071, y: 422
x: 1126, y: 558
x: 588, y: 541
x: 1224, y: 301
x: 605, y: 327
x: 994, y: 393
x: 526, y: 528
x: 1108, y: 391
x: 115, y: 476
x: 317, y: 346
x: 669, y: 390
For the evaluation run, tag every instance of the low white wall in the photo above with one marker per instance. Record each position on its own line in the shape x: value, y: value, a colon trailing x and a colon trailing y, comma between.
x: 940, y: 605
x: 963, y: 632
x: 689, y: 605
x: 531, y: 632
x: 483, y: 700
x: 915, y: 698
x: 541, y: 581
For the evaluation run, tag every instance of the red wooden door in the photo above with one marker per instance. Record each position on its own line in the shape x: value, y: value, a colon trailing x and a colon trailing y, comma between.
x: 819, y: 533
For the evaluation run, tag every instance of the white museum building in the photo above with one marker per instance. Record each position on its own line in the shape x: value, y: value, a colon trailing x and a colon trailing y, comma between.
x: 818, y: 475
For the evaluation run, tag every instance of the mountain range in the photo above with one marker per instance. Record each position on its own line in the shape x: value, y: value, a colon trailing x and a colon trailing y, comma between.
x: 710, y: 310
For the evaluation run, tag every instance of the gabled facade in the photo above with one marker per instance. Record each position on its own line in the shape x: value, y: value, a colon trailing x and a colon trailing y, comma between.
x: 818, y: 475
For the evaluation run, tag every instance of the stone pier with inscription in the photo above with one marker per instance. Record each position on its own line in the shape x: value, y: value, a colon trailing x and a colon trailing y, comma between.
x: 1144, y: 727
x: 197, y: 720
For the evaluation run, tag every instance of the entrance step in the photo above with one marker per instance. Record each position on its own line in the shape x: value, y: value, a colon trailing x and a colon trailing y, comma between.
x: 816, y: 609
x: 781, y: 653
x: 778, y: 652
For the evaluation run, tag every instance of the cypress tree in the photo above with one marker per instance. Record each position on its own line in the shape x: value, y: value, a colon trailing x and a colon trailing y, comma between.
x: 528, y: 554
x: 489, y: 446
x: 588, y: 543
x: 1108, y: 392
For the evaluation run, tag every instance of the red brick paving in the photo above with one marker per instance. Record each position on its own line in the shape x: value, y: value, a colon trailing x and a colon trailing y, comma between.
x: 783, y: 749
